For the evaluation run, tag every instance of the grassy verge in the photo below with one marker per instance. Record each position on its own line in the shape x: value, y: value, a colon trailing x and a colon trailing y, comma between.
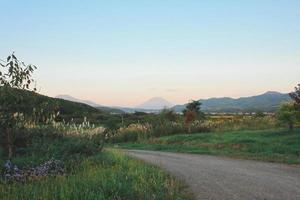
x: 266, y: 145
x: 108, y: 175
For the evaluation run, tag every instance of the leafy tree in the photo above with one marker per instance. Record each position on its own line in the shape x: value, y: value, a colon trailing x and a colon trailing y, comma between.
x: 296, y: 97
x: 192, y: 112
x: 15, y: 76
x: 195, y: 106
x: 287, y: 114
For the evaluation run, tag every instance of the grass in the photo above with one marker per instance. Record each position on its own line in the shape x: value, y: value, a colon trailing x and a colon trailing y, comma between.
x: 91, y: 174
x: 108, y: 175
x: 267, y: 145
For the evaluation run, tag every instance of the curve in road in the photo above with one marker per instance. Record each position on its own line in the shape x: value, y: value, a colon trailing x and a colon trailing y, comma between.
x: 219, y: 178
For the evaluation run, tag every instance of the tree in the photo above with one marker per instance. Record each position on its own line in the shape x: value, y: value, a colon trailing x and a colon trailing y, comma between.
x: 15, y: 76
x: 287, y: 114
x: 192, y: 112
x: 296, y: 97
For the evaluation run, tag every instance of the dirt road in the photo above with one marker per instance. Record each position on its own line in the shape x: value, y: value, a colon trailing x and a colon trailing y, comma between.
x: 212, y: 177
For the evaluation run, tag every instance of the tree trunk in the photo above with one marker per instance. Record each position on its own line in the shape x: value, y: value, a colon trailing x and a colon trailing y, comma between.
x: 9, y: 143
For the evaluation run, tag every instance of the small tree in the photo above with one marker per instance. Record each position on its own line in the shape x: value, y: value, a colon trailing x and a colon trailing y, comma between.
x: 296, y: 97
x: 14, y: 76
x: 287, y: 115
x: 192, y: 112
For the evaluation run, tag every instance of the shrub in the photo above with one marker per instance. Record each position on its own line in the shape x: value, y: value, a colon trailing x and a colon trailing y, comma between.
x: 138, y: 132
x: 243, y: 123
x: 131, y: 133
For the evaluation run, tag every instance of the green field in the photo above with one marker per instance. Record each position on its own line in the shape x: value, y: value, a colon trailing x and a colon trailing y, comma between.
x: 107, y: 175
x: 267, y: 145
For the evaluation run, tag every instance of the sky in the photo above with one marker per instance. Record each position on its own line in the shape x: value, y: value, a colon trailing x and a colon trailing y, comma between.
x: 124, y: 52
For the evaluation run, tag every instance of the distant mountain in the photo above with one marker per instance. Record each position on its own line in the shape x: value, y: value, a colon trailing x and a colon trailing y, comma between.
x: 155, y: 103
x: 68, y: 109
x: 90, y: 103
x: 267, y: 102
x: 115, y: 109
x: 70, y: 98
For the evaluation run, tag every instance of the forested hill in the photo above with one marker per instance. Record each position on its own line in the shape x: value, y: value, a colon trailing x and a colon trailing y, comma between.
x: 267, y: 102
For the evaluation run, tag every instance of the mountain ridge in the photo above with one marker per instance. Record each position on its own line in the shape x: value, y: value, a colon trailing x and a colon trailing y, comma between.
x: 266, y: 102
x: 71, y: 98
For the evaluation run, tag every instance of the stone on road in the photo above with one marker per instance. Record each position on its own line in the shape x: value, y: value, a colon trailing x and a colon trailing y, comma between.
x: 218, y: 178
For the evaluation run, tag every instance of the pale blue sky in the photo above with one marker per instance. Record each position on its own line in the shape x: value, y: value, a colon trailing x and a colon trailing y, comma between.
x: 124, y: 52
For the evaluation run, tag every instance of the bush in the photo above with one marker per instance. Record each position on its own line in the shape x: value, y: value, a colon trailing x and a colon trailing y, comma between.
x: 39, y: 144
x: 132, y: 133
x: 237, y: 123
x: 139, y: 132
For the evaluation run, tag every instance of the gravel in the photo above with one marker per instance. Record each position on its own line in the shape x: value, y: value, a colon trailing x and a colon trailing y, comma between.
x: 220, y: 178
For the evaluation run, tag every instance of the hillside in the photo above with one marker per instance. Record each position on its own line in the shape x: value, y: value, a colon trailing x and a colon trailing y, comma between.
x: 70, y: 98
x: 68, y: 109
x: 267, y: 102
x: 92, y: 104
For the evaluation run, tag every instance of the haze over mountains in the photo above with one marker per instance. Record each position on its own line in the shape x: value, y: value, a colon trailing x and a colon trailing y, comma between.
x: 70, y: 98
x: 267, y: 102
x: 156, y: 103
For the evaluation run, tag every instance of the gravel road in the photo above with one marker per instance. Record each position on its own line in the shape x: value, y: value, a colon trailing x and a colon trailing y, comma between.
x: 212, y: 177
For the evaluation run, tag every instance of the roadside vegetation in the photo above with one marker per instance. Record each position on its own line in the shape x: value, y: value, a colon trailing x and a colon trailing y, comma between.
x: 268, y: 145
x: 106, y: 175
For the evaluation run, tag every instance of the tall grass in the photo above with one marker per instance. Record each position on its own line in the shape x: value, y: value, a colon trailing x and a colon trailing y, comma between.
x: 140, y: 132
x: 238, y: 123
x: 109, y: 175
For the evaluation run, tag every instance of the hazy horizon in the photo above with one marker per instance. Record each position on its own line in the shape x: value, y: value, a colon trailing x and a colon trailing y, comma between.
x: 63, y: 96
x: 124, y: 53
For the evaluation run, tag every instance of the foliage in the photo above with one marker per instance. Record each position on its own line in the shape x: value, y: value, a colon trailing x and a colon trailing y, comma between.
x: 18, y: 75
x: 241, y: 122
x: 189, y: 116
x: 105, y: 176
x: 15, y: 73
x: 59, y: 141
x: 194, y: 106
x: 158, y: 126
x: 133, y: 132
x: 287, y: 114
x: 192, y: 112
x: 140, y: 132
x: 296, y: 95
x: 168, y: 114
x: 296, y: 98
